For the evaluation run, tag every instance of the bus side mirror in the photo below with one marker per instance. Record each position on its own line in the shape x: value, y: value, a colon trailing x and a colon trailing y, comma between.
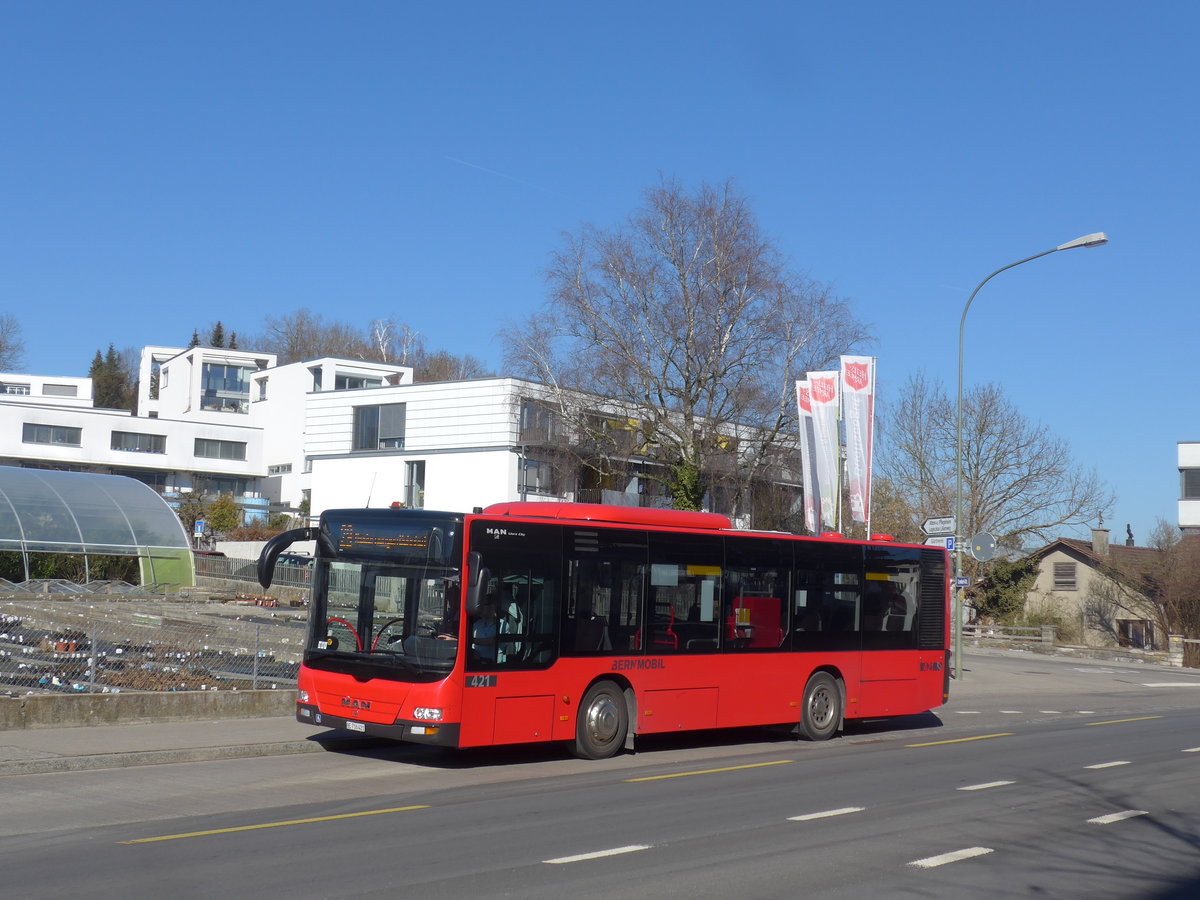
x: 275, y: 546
x: 477, y: 581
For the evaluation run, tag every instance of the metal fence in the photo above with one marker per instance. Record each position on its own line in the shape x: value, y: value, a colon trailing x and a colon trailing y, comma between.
x: 124, y: 638
x: 1044, y: 634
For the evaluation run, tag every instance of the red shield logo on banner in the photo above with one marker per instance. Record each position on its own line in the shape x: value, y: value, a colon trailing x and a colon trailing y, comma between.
x: 856, y: 375
x: 823, y: 390
x: 805, y: 405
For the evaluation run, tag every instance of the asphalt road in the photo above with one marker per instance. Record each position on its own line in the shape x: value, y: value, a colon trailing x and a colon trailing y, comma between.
x: 1043, y: 777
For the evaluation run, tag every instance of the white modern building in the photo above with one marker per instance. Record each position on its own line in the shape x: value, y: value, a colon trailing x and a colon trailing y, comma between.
x: 1189, y: 487
x: 308, y: 436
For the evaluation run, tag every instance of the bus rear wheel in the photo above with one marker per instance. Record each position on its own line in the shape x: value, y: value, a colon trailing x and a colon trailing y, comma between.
x: 821, y: 709
x: 603, y: 722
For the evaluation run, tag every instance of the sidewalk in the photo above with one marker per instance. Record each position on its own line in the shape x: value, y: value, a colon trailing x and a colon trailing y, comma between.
x: 39, y: 750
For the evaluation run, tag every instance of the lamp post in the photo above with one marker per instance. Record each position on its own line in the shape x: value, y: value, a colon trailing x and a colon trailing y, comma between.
x: 1088, y: 240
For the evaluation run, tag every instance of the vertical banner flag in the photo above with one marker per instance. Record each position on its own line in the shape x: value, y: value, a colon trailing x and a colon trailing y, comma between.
x: 808, y: 452
x: 858, y: 409
x: 823, y: 394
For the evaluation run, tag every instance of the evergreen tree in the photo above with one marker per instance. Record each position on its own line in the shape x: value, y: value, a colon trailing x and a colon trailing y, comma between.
x: 233, y: 340
x: 217, y: 338
x: 195, y: 342
x: 112, y: 386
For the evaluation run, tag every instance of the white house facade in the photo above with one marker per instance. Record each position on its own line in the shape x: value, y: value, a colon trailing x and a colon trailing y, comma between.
x: 1189, y: 487
x: 305, y: 436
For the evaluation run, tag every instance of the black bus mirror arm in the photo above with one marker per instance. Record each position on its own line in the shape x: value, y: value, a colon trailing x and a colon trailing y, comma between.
x: 276, y: 545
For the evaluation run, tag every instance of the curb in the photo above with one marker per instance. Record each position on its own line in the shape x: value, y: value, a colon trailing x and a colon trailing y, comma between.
x: 153, y: 757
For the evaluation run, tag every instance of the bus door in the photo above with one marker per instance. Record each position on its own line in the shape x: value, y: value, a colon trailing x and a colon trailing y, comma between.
x: 512, y: 638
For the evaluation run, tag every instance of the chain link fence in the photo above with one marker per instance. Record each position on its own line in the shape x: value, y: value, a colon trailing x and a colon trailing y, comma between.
x: 105, y: 637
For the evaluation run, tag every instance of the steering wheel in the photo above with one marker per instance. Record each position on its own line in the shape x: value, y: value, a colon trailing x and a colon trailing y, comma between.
x: 384, y: 627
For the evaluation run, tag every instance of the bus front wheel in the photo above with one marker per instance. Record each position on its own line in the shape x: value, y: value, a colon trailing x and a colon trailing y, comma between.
x: 821, y: 710
x: 603, y: 722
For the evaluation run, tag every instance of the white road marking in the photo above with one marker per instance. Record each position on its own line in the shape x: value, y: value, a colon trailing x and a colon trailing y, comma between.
x: 932, y: 862
x: 1171, y: 684
x: 1192, y: 750
x: 984, y: 787
x: 1109, y: 765
x: 967, y: 712
x: 599, y: 854
x: 808, y: 817
x: 1117, y: 817
x: 1086, y: 712
x: 1051, y: 712
x: 1011, y: 712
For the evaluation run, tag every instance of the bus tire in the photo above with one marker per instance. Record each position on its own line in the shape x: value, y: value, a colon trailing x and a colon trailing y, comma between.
x: 603, y: 722
x: 821, y: 709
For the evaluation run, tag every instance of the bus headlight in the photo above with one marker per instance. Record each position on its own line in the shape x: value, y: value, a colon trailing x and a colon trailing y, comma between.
x: 301, y: 696
x: 427, y: 714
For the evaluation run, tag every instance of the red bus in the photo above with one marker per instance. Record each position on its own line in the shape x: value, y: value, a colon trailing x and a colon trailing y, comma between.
x: 593, y: 624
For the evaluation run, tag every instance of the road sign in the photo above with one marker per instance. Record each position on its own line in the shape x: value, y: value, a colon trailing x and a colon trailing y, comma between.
x: 940, y: 540
x: 983, y: 546
x: 938, y: 525
x: 961, y: 581
x: 200, y: 525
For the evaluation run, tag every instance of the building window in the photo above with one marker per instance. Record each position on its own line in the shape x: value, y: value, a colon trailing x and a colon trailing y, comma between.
x: 354, y: 382
x: 537, y: 477
x: 139, y: 443
x: 414, y: 484
x: 379, y: 427
x: 1064, y: 576
x: 51, y: 434
x: 212, y: 449
x: 1191, y: 483
x: 219, y: 484
x: 539, y: 423
x: 12, y: 387
x: 262, y: 388
x: 283, y: 469
x: 225, y: 388
x: 60, y: 390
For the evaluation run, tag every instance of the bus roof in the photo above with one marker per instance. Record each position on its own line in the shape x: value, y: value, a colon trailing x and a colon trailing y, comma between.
x: 618, y: 515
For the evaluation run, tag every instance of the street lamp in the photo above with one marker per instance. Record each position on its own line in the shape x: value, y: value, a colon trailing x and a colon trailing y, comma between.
x: 1088, y: 240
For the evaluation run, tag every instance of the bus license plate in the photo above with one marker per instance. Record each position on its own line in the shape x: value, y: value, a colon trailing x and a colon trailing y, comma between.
x: 355, y: 726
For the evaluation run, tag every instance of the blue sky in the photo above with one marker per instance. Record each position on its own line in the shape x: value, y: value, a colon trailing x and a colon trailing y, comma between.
x: 168, y: 164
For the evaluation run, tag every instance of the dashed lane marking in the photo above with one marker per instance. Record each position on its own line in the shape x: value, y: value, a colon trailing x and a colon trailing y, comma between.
x: 1117, y: 817
x: 1171, y: 684
x: 1109, y: 765
x: 986, y: 785
x: 778, y: 762
x: 932, y: 862
x: 598, y: 854
x: 826, y: 814
x: 1122, y: 721
x: 234, y: 830
x: 979, y: 737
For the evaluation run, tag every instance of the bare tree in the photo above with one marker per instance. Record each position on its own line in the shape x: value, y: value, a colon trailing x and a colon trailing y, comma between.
x: 1019, y: 480
x: 1176, y: 578
x: 12, y: 345
x: 306, y: 335
x: 688, y: 323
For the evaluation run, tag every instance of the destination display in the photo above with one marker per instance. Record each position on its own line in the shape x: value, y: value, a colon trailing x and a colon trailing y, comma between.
x: 399, y: 536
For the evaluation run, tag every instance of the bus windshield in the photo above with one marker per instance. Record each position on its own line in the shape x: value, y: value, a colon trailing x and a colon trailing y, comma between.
x: 401, y: 616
